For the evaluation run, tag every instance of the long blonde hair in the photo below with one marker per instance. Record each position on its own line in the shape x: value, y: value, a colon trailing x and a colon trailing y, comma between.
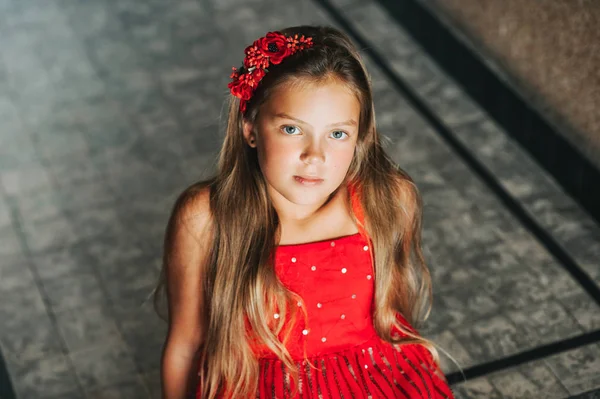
x: 240, y: 286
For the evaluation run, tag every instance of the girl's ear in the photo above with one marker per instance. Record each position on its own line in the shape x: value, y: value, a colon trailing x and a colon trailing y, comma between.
x: 249, y: 133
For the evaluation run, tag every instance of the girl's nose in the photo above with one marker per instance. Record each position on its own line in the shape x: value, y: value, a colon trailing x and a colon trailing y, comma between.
x: 314, y: 153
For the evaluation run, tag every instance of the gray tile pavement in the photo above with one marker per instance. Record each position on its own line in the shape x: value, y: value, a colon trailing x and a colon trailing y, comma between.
x: 111, y: 108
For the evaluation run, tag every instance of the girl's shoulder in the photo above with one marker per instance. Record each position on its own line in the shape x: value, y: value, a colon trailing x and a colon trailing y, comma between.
x: 192, y: 208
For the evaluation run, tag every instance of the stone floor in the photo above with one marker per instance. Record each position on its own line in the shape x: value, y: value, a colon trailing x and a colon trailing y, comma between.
x: 110, y: 108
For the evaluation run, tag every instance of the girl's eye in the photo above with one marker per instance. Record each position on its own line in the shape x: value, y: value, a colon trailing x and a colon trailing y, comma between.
x: 340, y: 131
x: 287, y: 128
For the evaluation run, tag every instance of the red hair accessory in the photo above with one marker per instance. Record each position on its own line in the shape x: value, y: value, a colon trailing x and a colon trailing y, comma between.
x: 268, y: 50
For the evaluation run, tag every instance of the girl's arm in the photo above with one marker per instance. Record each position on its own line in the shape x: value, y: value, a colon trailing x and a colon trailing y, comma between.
x: 187, y: 242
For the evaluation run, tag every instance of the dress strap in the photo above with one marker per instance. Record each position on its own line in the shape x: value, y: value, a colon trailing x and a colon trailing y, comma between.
x: 354, y: 191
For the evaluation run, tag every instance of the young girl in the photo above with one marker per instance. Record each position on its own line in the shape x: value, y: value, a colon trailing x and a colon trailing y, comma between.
x: 297, y: 272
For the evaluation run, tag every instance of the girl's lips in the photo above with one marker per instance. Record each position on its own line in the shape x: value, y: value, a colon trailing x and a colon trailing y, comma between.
x: 307, y: 181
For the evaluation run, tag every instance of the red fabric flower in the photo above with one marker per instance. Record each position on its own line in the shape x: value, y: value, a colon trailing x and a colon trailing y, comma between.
x: 240, y: 88
x: 244, y: 84
x: 274, y: 46
x: 268, y: 50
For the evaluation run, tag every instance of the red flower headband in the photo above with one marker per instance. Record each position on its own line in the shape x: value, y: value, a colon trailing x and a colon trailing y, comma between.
x: 268, y: 50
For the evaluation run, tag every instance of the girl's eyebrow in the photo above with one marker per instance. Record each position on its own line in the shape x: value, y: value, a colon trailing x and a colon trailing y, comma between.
x: 349, y: 122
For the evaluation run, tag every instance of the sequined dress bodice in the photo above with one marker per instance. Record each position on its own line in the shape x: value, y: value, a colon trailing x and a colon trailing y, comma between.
x: 334, y: 281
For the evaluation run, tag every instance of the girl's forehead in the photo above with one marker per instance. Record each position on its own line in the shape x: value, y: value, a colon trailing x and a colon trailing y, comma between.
x: 308, y: 85
x: 331, y: 98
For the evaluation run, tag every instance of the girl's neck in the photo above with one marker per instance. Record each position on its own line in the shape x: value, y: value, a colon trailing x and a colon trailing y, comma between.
x: 332, y: 220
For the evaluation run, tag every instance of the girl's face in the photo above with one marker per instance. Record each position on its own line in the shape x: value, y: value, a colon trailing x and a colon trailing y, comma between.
x: 305, y: 130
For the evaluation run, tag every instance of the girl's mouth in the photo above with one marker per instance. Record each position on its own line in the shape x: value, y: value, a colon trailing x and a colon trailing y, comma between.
x: 308, y: 182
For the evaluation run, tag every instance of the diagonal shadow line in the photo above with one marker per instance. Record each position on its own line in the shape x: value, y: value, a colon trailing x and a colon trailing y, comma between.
x: 593, y: 394
x: 518, y: 211
x: 6, y: 388
x: 537, y: 353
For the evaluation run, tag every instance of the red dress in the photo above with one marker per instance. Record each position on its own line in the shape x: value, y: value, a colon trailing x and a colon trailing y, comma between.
x: 338, y: 352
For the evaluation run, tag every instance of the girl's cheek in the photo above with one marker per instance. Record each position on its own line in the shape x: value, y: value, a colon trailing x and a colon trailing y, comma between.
x: 285, y: 148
